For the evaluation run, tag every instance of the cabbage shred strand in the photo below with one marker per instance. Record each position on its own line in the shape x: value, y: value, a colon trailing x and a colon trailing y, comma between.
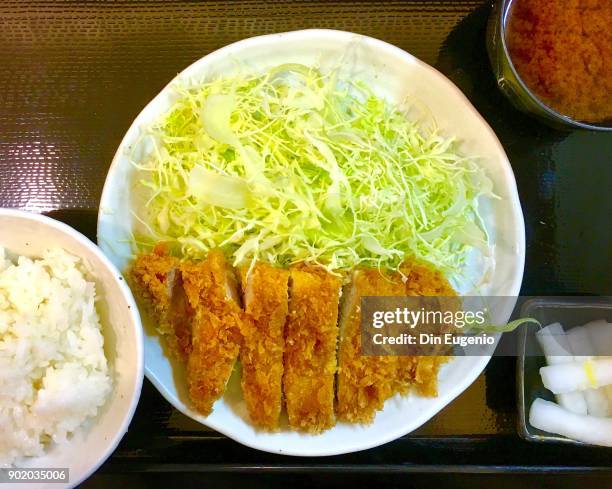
x: 294, y: 166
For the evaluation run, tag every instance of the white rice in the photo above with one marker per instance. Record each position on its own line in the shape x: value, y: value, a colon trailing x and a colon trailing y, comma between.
x: 53, y: 372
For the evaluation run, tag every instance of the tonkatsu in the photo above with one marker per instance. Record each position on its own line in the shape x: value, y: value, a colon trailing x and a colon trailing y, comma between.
x: 212, y: 291
x: 157, y: 281
x: 364, y: 382
x: 265, y: 296
x: 311, y: 336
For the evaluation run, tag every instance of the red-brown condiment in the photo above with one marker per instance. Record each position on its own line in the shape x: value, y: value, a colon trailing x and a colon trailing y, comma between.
x: 562, y: 50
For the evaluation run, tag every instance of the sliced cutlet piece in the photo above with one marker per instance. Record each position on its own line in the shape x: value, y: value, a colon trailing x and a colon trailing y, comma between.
x: 157, y: 282
x: 364, y: 382
x: 311, y: 336
x: 265, y: 291
x: 211, y: 289
x: 422, y: 372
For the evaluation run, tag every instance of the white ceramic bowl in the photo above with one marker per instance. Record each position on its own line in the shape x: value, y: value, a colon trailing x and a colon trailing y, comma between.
x: 399, y: 77
x: 30, y: 234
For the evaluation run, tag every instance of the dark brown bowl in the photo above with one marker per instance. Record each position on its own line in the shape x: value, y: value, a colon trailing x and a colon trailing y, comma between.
x: 511, y: 84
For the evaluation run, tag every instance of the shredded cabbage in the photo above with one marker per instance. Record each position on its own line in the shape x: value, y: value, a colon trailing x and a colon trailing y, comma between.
x: 293, y: 165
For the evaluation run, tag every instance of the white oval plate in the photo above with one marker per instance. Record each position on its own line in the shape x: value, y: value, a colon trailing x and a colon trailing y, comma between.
x: 399, y: 77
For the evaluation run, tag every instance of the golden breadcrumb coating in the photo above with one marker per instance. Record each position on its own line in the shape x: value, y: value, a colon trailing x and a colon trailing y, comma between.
x: 364, y: 382
x: 265, y: 291
x: 311, y: 335
x: 211, y: 290
x: 287, y: 336
x: 423, y: 280
x: 156, y: 281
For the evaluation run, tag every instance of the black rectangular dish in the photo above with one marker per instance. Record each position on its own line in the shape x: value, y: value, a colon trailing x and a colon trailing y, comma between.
x: 74, y: 77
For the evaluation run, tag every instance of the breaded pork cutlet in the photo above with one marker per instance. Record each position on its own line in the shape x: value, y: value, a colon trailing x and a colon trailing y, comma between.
x: 265, y: 290
x: 157, y: 282
x: 364, y: 382
x: 422, y: 280
x: 211, y: 288
x: 311, y: 335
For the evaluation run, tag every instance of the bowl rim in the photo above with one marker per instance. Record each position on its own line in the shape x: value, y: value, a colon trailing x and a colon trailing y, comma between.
x: 502, y: 19
x: 133, y: 314
x: 513, y: 201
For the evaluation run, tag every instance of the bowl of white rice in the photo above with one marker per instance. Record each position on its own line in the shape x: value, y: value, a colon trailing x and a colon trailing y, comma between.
x: 71, y: 349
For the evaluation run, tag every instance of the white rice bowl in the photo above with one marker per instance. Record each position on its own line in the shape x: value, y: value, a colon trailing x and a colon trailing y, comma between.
x: 54, y: 375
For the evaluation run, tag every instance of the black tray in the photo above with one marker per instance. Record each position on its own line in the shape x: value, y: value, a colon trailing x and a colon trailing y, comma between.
x: 74, y: 76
